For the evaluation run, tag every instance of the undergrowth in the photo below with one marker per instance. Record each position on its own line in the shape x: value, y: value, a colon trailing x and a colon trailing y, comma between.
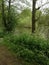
x: 28, y: 47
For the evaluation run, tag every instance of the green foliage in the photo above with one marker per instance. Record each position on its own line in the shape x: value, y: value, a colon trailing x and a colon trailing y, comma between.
x: 12, y: 20
x: 42, y: 24
x: 30, y: 48
x: 25, y: 17
x: 1, y: 34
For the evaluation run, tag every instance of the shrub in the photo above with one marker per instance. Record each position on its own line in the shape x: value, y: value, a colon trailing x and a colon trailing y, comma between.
x: 31, y: 49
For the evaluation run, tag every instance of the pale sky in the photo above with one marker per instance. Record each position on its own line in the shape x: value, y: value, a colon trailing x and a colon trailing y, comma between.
x: 39, y: 3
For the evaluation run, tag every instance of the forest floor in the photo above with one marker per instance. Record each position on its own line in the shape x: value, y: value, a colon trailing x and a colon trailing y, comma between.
x: 6, y: 58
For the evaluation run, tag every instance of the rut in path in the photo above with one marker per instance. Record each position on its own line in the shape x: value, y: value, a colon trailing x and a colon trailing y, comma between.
x: 6, y: 58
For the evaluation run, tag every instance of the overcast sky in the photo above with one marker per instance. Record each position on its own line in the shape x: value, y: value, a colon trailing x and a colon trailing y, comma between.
x: 39, y: 3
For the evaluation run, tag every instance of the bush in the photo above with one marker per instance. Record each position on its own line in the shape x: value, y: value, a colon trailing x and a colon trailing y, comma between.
x: 1, y: 34
x: 32, y: 49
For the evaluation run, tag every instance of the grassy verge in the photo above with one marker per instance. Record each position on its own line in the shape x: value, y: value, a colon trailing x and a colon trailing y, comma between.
x: 31, y: 49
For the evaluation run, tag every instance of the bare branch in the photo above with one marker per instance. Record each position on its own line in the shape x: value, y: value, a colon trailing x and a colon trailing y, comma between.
x: 42, y: 5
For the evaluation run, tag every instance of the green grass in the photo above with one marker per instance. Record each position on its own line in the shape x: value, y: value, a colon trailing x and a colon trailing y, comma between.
x: 31, y: 49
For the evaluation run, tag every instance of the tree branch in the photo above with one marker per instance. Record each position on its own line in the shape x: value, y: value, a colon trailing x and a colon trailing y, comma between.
x: 42, y: 5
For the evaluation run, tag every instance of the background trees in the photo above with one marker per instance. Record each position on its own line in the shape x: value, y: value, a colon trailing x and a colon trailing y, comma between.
x: 34, y: 10
x: 19, y: 12
x: 24, y: 29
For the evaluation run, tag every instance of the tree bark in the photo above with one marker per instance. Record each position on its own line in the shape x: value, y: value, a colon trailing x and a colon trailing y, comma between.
x: 33, y: 16
x: 3, y: 14
x: 9, y: 7
x: 9, y: 12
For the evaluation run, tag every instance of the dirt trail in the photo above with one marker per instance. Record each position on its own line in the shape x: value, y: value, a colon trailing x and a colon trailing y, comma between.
x: 6, y: 58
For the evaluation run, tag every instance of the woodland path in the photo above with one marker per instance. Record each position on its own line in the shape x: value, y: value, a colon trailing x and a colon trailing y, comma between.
x: 6, y: 58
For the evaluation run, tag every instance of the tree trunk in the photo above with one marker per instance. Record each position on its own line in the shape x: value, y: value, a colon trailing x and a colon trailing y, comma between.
x: 9, y: 12
x: 9, y: 7
x: 3, y: 15
x: 33, y: 16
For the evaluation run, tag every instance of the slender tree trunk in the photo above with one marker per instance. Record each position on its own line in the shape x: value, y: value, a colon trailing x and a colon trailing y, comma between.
x: 9, y: 7
x: 9, y: 12
x: 33, y: 16
x: 3, y: 15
